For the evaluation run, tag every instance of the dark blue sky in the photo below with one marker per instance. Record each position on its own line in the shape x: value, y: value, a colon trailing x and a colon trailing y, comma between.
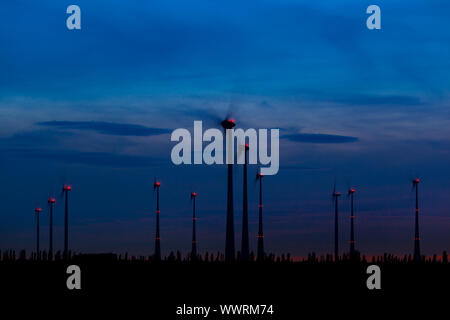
x: 95, y: 108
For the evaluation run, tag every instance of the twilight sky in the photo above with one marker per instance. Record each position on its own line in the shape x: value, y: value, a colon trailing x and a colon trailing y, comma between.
x: 95, y: 108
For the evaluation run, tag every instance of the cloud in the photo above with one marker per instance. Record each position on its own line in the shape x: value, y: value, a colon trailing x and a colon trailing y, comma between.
x: 319, y: 138
x: 109, y: 128
x: 86, y: 158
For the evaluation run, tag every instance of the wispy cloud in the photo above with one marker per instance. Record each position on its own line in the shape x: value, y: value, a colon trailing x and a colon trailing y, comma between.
x: 109, y: 128
x: 319, y: 138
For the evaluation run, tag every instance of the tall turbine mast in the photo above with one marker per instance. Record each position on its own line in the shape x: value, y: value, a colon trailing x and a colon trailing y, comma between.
x: 351, y: 193
x: 194, y: 236
x: 245, y: 245
x: 417, y: 257
x: 229, y: 238
x: 66, y: 189
x: 336, y: 195
x: 260, y: 253
x: 38, y: 212
x: 157, y: 256
x: 51, y: 203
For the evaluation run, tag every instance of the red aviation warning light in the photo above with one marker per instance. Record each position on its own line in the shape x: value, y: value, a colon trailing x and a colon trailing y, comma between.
x: 228, y: 123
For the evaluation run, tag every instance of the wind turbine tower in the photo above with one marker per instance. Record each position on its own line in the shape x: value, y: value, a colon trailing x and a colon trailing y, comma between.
x: 416, y: 233
x: 260, y: 236
x: 336, y: 196
x: 351, y: 193
x: 245, y: 243
x: 229, y: 238
x: 51, y: 203
x: 38, y: 212
x: 194, y: 236
x: 157, y: 255
x: 66, y: 189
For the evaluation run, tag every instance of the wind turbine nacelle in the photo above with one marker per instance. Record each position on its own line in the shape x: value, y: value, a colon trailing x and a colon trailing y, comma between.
x: 228, y: 124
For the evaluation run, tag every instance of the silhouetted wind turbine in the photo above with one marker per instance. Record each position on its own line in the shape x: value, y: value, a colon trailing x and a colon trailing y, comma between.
x: 336, y: 195
x: 38, y: 212
x: 351, y: 193
x: 245, y: 243
x: 260, y: 236
x: 157, y: 256
x: 417, y: 257
x: 194, y: 236
x: 65, y: 190
x: 229, y: 238
x: 51, y: 202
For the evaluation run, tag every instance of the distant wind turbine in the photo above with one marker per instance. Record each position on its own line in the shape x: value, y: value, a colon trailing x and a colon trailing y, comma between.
x: 157, y: 256
x: 245, y: 254
x: 194, y: 236
x: 66, y: 189
x: 336, y: 196
x: 38, y: 212
x: 417, y: 257
x: 260, y: 252
x: 351, y: 193
x: 51, y: 203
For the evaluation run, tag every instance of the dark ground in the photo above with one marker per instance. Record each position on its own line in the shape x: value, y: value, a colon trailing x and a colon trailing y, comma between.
x: 292, y: 288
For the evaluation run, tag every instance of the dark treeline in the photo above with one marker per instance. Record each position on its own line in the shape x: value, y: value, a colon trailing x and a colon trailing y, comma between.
x: 218, y: 257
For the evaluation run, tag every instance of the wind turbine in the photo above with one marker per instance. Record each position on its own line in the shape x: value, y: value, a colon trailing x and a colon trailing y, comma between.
x: 51, y: 203
x: 66, y: 189
x: 38, y: 212
x: 351, y: 193
x: 417, y: 256
x: 336, y: 195
x: 260, y: 236
x: 245, y: 243
x: 229, y: 238
x: 157, y: 255
x: 194, y: 236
